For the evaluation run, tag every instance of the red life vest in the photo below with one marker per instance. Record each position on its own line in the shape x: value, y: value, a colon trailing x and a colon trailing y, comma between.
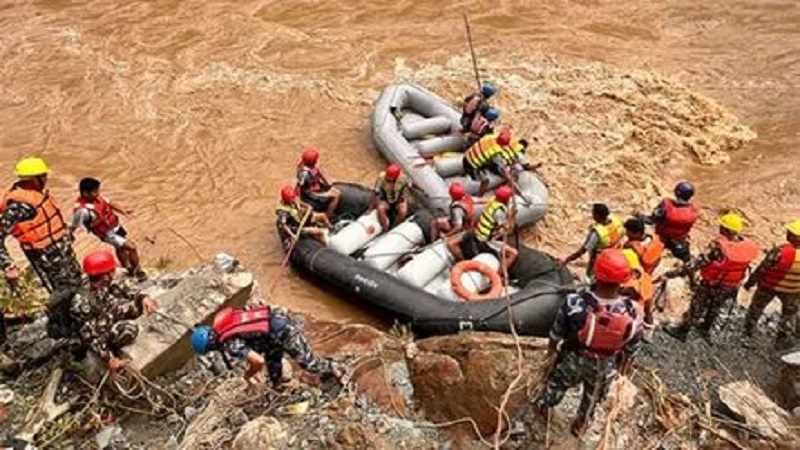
x: 678, y: 220
x: 105, y: 219
x: 229, y: 322
x: 605, y: 332
x: 315, y: 183
x: 471, y: 104
x: 467, y: 204
x: 784, y: 276
x: 480, y: 126
x: 737, y: 256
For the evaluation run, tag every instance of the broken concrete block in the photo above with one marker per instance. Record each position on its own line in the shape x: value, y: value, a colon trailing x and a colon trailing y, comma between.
x: 163, y: 343
x: 756, y: 410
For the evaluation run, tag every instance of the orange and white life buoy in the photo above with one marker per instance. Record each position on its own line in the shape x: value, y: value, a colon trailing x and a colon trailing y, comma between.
x: 475, y: 266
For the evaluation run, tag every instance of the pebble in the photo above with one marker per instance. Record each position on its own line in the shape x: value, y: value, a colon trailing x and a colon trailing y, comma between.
x: 6, y: 395
x: 238, y: 418
x: 189, y: 412
x: 173, y: 419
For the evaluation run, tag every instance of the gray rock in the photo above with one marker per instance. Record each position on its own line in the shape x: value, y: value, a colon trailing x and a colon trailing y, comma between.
x: 189, y: 412
x: 238, y: 418
x: 109, y: 437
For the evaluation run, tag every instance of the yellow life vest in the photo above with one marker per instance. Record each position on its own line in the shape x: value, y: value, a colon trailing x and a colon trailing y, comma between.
x: 487, y: 223
x: 295, y: 210
x: 392, y: 191
x: 633, y: 259
x: 610, y: 234
x: 510, y: 152
x: 482, y: 152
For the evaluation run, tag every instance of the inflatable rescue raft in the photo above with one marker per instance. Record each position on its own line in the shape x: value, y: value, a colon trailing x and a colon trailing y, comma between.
x: 419, y: 131
x: 404, y: 274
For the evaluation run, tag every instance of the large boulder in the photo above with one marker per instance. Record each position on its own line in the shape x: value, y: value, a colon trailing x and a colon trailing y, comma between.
x: 466, y: 375
x: 193, y: 297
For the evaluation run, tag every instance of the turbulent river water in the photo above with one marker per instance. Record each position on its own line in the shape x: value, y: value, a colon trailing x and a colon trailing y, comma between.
x: 193, y: 113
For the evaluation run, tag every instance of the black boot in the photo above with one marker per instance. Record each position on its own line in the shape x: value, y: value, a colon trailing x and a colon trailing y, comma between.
x: 679, y: 331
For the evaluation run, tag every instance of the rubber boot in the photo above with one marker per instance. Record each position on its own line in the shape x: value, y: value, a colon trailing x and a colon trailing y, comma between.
x: 679, y: 331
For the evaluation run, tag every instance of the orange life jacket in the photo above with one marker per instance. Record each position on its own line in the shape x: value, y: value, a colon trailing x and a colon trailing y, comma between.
x: 467, y: 204
x: 46, y: 227
x: 784, y: 276
x: 105, y: 218
x: 641, y: 283
x: 230, y: 323
x: 605, y: 333
x: 649, y: 254
x: 678, y: 220
x: 737, y: 256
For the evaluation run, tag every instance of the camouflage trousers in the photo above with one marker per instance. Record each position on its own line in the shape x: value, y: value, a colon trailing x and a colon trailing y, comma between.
x: 706, y: 304
x: 286, y: 337
x: 789, y: 307
x: 58, y: 270
x: 573, y: 368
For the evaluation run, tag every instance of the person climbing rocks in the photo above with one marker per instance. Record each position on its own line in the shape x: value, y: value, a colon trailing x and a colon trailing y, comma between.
x: 261, y: 336
x: 104, y: 311
x: 648, y: 247
x: 476, y: 104
x: 488, y: 234
x: 482, y: 125
x: 595, y: 336
x: 606, y: 232
x: 99, y: 215
x: 478, y: 158
x: 31, y: 215
x: 674, y: 219
x: 314, y: 188
x: 723, y: 268
x: 296, y: 219
x: 390, y: 193
x: 778, y: 275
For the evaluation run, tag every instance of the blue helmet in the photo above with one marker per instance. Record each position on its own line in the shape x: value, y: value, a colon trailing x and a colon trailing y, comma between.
x: 201, y: 339
x: 488, y: 90
x: 684, y: 190
x: 492, y: 114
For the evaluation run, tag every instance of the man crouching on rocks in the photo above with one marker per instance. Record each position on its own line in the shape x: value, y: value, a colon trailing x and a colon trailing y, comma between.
x: 261, y: 335
x: 596, y: 333
x: 104, y: 311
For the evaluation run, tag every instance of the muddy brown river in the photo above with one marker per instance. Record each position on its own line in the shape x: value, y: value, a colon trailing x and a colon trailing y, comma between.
x: 193, y: 113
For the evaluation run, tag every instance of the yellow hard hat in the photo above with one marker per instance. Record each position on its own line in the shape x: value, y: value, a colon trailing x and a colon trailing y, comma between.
x: 732, y: 222
x: 31, y: 167
x: 793, y: 227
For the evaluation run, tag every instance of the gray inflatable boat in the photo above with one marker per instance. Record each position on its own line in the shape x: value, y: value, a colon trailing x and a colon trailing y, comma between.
x: 427, y: 143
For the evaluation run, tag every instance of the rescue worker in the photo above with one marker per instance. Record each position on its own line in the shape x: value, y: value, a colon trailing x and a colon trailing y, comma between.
x: 30, y: 214
x: 482, y: 125
x: 647, y: 247
x: 489, y: 232
x: 596, y: 334
x: 314, y: 187
x: 475, y: 104
x: 390, y: 193
x: 478, y: 158
x: 510, y: 159
x: 778, y: 275
x: 640, y: 288
x: 723, y: 268
x: 296, y: 219
x: 606, y: 232
x: 99, y: 215
x: 261, y: 336
x: 461, y: 214
x: 674, y: 219
x: 105, y: 311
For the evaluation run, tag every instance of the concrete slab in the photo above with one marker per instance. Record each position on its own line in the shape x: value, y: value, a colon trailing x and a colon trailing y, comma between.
x: 163, y: 345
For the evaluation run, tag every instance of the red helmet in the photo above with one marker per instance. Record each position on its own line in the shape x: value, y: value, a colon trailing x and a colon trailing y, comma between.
x: 504, y: 138
x: 457, y: 191
x: 310, y: 156
x: 99, y: 262
x: 288, y: 195
x: 503, y: 194
x: 393, y: 172
x: 611, y: 266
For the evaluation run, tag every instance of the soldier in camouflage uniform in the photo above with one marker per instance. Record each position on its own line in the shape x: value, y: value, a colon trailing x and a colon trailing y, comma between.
x: 722, y: 269
x: 596, y: 335
x: 106, y: 310
x: 261, y: 336
x: 29, y: 213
